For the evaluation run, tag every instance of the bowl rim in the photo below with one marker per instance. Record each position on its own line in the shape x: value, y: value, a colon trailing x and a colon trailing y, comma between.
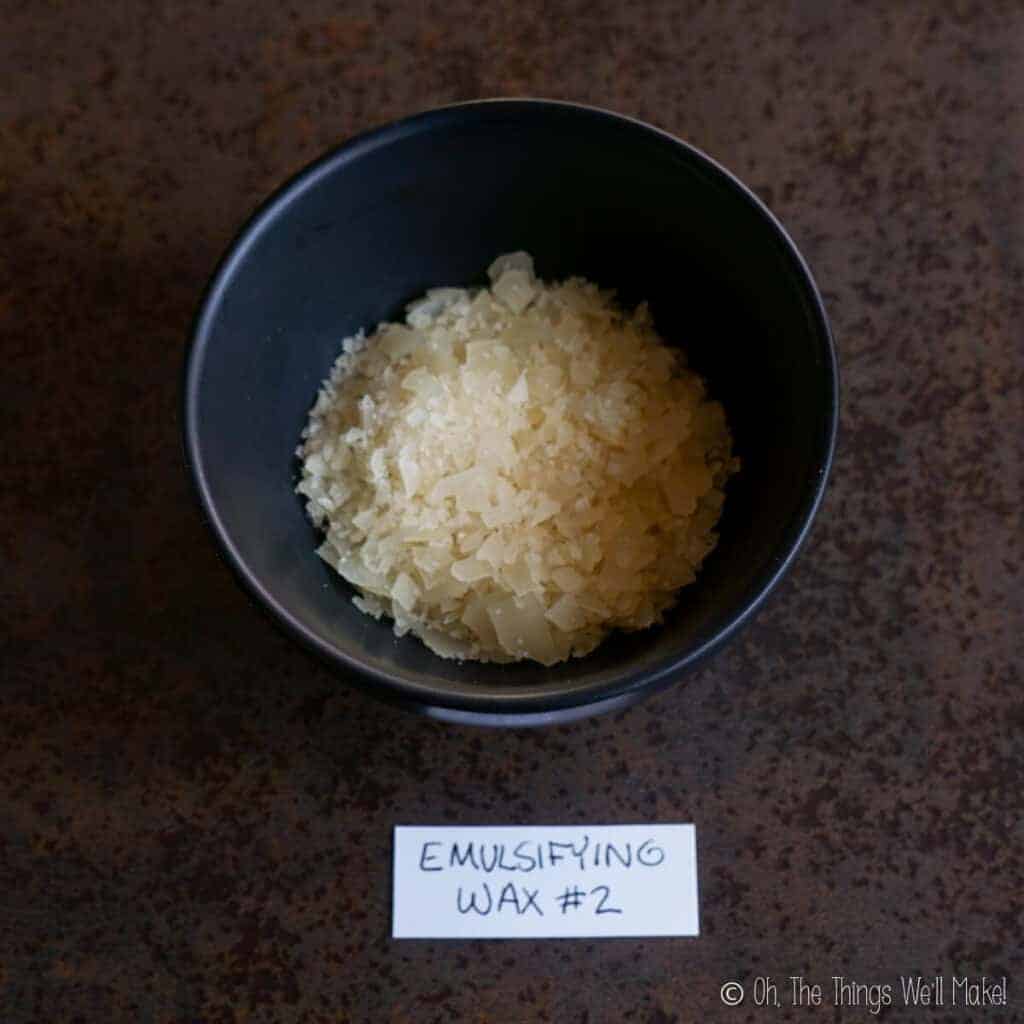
x: 520, y: 700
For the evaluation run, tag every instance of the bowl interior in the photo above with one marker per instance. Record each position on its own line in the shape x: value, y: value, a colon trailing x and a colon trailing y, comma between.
x: 431, y: 202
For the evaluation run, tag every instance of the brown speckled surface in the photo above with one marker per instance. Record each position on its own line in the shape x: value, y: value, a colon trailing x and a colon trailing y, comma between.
x: 195, y: 818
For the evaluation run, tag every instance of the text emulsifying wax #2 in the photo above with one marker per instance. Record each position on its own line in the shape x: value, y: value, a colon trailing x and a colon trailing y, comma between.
x: 545, y: 882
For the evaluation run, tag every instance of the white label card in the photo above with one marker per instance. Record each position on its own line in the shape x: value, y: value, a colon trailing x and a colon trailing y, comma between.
x: 553, y: 882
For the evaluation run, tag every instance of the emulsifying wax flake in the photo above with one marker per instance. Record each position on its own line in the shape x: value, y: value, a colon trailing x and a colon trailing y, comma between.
x: 517, y: 470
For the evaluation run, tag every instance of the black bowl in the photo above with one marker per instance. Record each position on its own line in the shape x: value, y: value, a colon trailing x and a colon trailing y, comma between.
x: 430, y: 201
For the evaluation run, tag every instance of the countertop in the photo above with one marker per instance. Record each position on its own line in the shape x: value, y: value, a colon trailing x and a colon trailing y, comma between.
x: 195, y: 817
